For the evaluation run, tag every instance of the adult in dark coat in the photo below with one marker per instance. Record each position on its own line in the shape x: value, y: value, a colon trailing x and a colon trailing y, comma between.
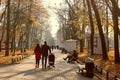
x: 45, y: 49
x: 37, y: 52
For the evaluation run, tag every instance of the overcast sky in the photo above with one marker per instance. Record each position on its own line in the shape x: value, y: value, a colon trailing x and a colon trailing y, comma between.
x: 53, y: 17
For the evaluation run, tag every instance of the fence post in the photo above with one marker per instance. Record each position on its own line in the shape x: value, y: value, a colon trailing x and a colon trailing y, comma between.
x: 12, y: 60
x: 107, y: 75
x: 115, y: 77
x: 96, y: 68
x: 101, y: 71
x: 17, y: 59
x: 22, y: 57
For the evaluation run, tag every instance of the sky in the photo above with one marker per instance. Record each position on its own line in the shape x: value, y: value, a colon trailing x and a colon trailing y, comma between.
x: 53, y: 20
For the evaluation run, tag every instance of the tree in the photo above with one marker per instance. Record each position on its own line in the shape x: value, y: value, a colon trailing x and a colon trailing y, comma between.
x: 104, y: 49
x: 78, y: 19
x: 116, y: 31
x: 8, y: 28
x: 115, y: 14
x: 115, y: 5
x: 91, y: 25
x: 31, y: 13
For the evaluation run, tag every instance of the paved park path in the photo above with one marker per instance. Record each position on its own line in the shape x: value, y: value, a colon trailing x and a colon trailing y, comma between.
x: 25, y: 70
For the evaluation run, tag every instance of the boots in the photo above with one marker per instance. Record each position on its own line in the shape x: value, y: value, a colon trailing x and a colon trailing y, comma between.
x: 37, y: 66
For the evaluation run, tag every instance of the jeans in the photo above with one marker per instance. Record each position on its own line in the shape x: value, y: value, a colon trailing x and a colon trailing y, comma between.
x: 44, y: 61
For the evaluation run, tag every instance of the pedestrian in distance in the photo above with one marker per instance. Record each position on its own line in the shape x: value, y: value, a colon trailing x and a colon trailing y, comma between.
x: 52, y: 47
x: 45, y: 50
x: 57, y: 47
x: 37, y: 52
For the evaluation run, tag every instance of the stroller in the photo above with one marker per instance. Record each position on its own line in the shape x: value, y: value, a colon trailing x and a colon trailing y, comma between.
x: 51, y: 60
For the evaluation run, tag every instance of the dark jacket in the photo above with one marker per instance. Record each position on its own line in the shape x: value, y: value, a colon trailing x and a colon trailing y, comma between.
x: 45, y: 49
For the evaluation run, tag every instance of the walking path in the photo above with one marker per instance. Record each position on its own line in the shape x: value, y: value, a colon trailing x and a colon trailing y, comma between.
x: 26, y: 70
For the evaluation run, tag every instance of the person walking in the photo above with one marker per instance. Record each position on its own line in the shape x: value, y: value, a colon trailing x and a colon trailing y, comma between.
x: 37, y: 52
x: 45, y: 49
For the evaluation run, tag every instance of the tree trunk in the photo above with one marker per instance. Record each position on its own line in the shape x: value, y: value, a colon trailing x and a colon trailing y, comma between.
x: 92, y: 27
x: 20, y: 41
x: 11, y: 44
x: 116, y: 31
x: 81, y: 45
x: 103, y: 44
x: 107, y: 26
x: 0, y: 45
x: 115, y: 5
x: 8, y: 29
x: 14, y: 44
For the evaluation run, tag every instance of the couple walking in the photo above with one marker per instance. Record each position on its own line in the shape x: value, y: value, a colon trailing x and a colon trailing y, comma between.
x: 42, y: 51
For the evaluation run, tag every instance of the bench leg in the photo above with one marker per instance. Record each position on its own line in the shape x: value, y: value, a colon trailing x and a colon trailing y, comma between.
x: 81, y: 70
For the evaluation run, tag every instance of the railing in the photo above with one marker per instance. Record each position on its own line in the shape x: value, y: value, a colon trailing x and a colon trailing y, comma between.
x: 105, y: 74
x: 17, y: 59
x: 102, y: 74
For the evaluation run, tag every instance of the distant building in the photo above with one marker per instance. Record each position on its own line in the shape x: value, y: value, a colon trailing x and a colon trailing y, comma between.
x: 96, y: 43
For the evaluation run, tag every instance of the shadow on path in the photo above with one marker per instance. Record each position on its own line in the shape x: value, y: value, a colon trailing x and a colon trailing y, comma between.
x: 62, y: 74
x: 26, y: 73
